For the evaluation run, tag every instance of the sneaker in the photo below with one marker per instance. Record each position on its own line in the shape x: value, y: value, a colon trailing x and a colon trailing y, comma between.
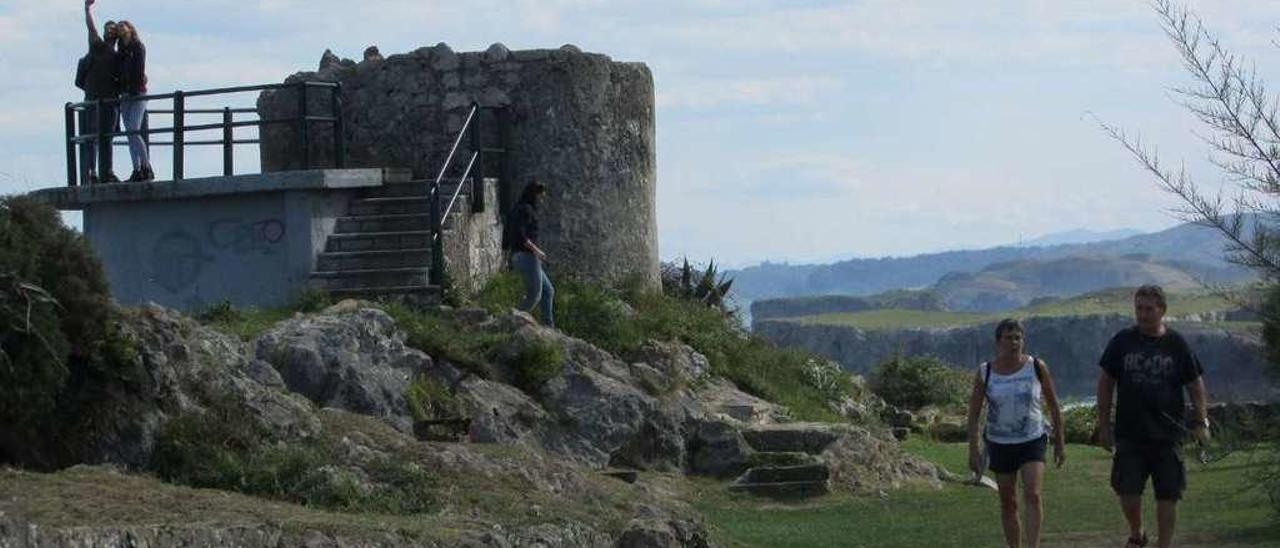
x: 110, y: 177
x: 147, y: 174
x: 135, y: 177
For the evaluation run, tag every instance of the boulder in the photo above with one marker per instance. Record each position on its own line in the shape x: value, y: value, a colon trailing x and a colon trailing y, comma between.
x: 354, y: 360
x: 716, y: 448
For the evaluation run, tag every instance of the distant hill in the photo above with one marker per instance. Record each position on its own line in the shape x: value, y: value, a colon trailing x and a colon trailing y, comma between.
x: 1079, y: 236
x: 1005, y: 286
x: 1196, y: 250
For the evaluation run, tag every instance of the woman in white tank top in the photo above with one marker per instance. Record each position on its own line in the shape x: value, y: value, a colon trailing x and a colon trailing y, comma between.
x: 1018, y: 392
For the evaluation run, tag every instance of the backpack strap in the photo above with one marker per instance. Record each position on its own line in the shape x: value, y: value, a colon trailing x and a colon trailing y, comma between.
x: 986, y: 381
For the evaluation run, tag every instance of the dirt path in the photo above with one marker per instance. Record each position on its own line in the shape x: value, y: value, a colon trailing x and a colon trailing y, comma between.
x: 1108, y: 540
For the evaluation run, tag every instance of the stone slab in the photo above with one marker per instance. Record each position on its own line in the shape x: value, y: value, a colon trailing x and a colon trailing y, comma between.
x: 77, y: 197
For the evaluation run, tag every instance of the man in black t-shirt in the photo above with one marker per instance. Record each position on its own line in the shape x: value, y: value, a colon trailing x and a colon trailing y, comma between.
x: 1148, y: 366
x: 101, y: 82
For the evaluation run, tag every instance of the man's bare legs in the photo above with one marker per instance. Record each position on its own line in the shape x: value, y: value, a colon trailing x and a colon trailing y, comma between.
x: 1131, y: 506
x: 1166, y: 518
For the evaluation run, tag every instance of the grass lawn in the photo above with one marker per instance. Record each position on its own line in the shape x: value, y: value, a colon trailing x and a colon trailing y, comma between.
x: 1219, y: 510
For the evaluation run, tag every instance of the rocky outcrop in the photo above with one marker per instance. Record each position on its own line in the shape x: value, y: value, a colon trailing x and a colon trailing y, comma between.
x: 355, y: 361
x: 1071, y: 345
x: 182, y: 368
x: 337, y: 380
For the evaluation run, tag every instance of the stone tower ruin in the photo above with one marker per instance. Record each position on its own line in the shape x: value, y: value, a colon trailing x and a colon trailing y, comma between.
x: 581, y: 123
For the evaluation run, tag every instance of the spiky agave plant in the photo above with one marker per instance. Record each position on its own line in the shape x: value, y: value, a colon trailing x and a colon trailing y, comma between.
x: 709, y: 287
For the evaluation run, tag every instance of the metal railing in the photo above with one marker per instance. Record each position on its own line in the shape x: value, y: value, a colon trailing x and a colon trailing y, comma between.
x: 102, y: 139
x: 473, y: 128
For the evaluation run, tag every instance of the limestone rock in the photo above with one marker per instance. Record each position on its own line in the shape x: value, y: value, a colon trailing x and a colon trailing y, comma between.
x: 355, y: 361
x: 717, y: 448
x: 497, y: 52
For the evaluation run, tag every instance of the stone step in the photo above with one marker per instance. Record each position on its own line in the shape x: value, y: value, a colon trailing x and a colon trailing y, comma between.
x: 382, y: 223
x: 410, y: 188
x: 357, y: 279
x: 786, y: 474
x: 378, y: 241
x: 789, y: 438
x: 370, y: 260
x: 430, y: 291
x: 401, y: 205
x: 784, y: 490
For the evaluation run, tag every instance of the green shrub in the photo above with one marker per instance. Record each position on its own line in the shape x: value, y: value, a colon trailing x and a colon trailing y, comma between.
x: 537, y: 362
x: 312, y: 300
x: 919, y: 381
x: 595, y: 314
x: 222, y: 449
x: 429, y: 399
x: 500, y: 294
x: 441, y: 337
x: 1079, y: 422
x: 221, y: 312
x: 60, y: 341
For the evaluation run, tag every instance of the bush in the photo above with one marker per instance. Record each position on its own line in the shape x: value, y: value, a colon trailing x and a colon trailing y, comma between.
x: 222, y: 449
x: 537, y: 362
x: 500, y: 294
x: 60, y: 343
x: 429, y: 399
x: 1079, y: 422
x: 919, y: 381
x: 598, y: 315
x: 441, y: 337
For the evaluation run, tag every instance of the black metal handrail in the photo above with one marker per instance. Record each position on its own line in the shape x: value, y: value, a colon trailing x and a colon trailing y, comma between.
x: 472, y: 126
x: 179, y: 129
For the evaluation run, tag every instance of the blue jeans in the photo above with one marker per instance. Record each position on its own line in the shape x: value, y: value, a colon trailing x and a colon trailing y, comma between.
x: 131, y: 112
x: 537, y: 286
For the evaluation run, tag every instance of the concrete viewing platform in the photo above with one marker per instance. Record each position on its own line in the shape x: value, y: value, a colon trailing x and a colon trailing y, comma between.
x: 251, y: 240
x: 80, y: 197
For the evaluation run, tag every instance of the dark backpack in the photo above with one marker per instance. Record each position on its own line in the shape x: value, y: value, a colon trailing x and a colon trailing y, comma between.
x: 82, y: 70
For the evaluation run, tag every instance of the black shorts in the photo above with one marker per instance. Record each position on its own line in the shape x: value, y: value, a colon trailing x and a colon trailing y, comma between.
x: 1009, y: 458
x: 1134, y: 462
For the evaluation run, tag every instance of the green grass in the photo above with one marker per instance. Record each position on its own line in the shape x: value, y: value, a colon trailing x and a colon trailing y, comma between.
x: 1220, y: 510
x: 1110, y: 301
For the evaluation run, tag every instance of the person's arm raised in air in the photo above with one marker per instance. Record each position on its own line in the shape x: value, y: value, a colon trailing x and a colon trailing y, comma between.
x: 94, y: 37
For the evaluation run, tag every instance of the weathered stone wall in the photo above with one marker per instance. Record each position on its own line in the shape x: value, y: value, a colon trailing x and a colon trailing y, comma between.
x: 473, y: 247
x: 579, y: 122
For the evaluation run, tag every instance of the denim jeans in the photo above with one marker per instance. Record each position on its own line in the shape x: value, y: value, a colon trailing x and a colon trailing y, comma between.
x: 537, y: 286
x: 89, y: 150
x: 131, y: 113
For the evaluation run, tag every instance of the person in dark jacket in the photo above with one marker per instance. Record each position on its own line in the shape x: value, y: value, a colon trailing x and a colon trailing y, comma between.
x: 100, y: 83
x: 133, y: 83
x: 520, y: 238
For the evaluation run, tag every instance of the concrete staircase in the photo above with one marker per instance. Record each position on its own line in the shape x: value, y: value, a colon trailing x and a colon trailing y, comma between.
x: 383, y: 245
x: 785, y: 464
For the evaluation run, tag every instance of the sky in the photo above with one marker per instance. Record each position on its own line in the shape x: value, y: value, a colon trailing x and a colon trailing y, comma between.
x: 787, y: 130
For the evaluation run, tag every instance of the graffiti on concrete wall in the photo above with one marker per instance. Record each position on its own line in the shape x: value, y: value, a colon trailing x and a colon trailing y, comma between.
x: 178, y: 257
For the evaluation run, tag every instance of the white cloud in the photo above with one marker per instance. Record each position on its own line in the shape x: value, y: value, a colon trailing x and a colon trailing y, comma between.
x: 744, y: 92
